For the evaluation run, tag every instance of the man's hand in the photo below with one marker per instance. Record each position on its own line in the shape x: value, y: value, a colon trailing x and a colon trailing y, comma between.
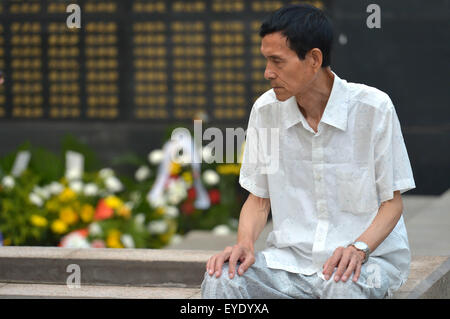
x: 347, y: 260
x: 232, y: 254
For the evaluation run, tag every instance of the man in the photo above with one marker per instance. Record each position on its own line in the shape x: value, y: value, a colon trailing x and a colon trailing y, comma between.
x: 336, y: 193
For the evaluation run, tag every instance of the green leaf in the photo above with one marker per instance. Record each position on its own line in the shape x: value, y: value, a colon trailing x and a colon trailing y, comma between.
x: 48, y: 165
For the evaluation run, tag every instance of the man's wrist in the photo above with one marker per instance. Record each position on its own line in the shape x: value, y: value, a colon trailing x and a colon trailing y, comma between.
x: 247, y: 244
x: 363, y: 248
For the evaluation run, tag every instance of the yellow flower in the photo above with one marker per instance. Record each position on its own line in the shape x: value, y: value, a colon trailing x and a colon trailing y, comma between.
x: 67, y: 195
x: 113, y: 202
x: 124, y: 211
x: 63, y: 180
x: 165, y: 238
x: 87, y: 212
x: 68, y: 215
x: 6, y: 241
x: 187, y: 176
x: 175, y: 168
x: 160, y: 211
x: 38, y: 221
x: 113, y: 239
x: 52, y: 205
x: 59, y: 227
x: 226, y: 169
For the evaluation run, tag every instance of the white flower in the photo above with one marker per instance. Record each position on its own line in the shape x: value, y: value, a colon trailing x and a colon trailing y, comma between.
x: 74, y: 240
x: 72, y: 174
x: 127, y: 241
x: 36, y: 199
x: 210, y: 177
x: 43, y: 192
x: 8, y: 182
x: 176, y: 191
x: 104, y: 173
x: 139, y: 219
x: 90, y: 189
x: 171, y: 211
x: 157, y: 227
x: 142, y: 173
x: 95, y: 229
x: 176, y: 239
x: 55, y: 188
x: 207, y: 154
x: 221, y: 230
x: 113, y: 184
x: 155, y: 157
x: 135, y: 196
x: 129, y: 205
x: 76, y: 186
x: 157, y: 202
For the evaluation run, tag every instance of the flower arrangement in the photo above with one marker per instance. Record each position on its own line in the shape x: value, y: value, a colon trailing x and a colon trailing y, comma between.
x: 51, y: 203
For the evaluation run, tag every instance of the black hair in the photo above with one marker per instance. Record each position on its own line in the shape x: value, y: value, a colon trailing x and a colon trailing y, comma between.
x: 305, y: 27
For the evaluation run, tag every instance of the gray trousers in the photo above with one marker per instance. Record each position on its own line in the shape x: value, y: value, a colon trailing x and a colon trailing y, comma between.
x: 262, y: 282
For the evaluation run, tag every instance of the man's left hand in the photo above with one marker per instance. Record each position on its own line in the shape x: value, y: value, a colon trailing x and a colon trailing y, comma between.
x: 347, y: 260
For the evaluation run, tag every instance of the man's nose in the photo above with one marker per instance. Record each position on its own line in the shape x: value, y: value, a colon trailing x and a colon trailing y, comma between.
x: 269, y: 74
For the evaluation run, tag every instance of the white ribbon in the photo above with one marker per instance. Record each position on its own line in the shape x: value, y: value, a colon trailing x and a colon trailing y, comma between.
x: 20, y: 163
x: 185, y: 143
x: 74, y: 165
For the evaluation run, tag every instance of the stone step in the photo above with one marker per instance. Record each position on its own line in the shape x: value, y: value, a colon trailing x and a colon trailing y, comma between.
x: 117, y: 267
x: 32, y: 272
x: 9, y: 291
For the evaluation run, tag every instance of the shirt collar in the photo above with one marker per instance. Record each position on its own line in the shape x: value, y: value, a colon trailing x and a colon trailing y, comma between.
x: 335, y: 112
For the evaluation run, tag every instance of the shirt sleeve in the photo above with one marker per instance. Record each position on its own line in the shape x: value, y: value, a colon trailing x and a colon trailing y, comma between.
x: 253, y: 176
x: 392, y: 167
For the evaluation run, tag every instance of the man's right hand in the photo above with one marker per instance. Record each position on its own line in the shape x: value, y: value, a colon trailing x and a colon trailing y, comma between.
x: 231, y: 254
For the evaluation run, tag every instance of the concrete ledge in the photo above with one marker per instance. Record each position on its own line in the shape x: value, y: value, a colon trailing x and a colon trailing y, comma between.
x: 116, y: 267
x: 436, y: 285
x: 31, y: 291
x: 145, y: 273
x: 425, y: 272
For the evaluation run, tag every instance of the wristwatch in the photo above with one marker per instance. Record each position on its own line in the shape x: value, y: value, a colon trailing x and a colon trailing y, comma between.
x: 362, y: 246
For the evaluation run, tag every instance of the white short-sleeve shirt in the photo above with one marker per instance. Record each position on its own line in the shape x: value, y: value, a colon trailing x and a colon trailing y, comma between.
x: 325, y: 188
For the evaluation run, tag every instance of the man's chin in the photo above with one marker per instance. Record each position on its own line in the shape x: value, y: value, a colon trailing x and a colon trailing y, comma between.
x: 282, y: 97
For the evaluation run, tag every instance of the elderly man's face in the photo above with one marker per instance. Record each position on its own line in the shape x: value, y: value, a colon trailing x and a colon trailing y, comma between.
x: 288, y: 75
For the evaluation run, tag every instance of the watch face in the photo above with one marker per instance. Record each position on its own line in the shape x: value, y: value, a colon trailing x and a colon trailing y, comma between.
x: 360, y: 245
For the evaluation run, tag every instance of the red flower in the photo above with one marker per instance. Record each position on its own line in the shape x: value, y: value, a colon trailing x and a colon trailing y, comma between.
x: 103, y: 211
x: 66, y: 239
x: 98, y: 243
x: 214, y: 196
x: 191, y: 193
x: 187, y: 207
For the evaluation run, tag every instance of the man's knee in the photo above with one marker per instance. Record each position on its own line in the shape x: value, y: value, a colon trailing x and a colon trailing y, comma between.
x: 222, y: 286
x: 341, y: 290
x: 366, y: 287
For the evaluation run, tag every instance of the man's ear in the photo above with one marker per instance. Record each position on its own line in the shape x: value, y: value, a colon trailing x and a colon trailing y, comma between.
x: 315, y: 58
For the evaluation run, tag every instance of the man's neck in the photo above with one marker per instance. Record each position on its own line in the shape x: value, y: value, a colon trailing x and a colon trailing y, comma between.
x: 313, y: 102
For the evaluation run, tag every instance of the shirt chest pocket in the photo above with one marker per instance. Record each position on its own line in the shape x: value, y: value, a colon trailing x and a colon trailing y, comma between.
x: 356, y: 190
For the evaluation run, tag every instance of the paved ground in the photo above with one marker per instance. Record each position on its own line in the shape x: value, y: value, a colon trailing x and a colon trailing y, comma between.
x: 427, y: 221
